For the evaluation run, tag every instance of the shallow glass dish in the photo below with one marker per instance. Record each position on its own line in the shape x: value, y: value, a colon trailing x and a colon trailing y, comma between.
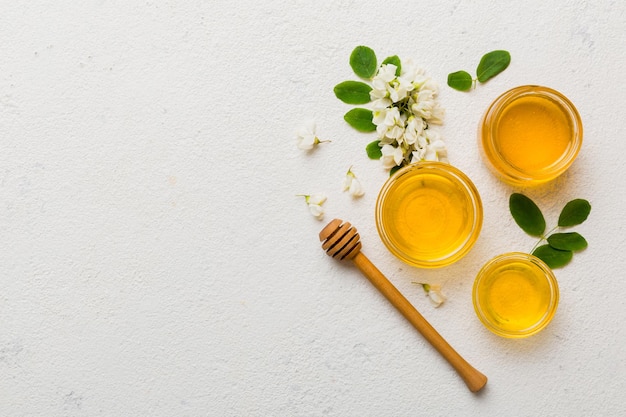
x: 530, y: 135
x: 429, y: 214
x: 515, y: 295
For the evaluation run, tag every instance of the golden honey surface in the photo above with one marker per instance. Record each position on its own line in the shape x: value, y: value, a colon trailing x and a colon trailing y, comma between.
x: 515, y: 296
x: 532, y: 133
x: 428, y: 216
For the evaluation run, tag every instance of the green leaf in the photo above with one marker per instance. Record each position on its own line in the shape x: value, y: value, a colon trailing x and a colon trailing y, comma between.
x: 575, y: 212
x: 554, y: 258
x: 460, y: 80
x: 395, y: 169
x: 492, y: 64
x: 567, y: 241
x: 373, y: 150
x: 395, y: 60
x: 363, y: 61
x: 360, y: 119
x: 527, y: 215
x: 353, y: 92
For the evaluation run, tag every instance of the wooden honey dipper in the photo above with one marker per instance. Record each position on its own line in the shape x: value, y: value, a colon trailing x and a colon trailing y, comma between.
x: 341, y: 241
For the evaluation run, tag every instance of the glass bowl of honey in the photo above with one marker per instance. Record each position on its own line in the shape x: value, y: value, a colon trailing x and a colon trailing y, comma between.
x: 429, y: 214
x: 530, y: 135
x: 515, y: 295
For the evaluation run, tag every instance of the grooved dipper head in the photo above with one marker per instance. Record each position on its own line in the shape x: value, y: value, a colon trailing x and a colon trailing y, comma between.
x: 340, y: 240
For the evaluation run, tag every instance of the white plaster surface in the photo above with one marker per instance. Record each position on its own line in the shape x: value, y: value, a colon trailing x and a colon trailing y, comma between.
x: 154, y: 260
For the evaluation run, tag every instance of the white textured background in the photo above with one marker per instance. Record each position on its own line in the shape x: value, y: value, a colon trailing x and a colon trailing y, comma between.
x: 154, y: 260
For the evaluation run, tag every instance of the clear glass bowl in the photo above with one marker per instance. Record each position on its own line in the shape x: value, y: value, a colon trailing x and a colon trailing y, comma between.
x: 530, y: 135
x: 515, y: 295
x: 429, y: 214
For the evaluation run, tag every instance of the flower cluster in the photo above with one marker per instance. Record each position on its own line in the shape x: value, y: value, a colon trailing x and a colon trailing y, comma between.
x: 403, y: 109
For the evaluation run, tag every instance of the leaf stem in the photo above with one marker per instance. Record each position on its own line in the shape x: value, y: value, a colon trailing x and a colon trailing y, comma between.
x: 536, y: 245
x: 545, y: 236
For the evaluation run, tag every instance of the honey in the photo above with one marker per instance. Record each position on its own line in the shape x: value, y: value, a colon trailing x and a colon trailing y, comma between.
x: 530, y: 135
x: 429, y: 214
x: 533, y: 132
x: 515, y: 295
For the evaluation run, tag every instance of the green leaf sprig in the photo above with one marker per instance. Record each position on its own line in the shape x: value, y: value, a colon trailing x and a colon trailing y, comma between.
x: 490, y: 65
x: 560, y: 246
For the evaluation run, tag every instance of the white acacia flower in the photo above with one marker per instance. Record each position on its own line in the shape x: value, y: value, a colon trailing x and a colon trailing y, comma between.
x: 417, y: 155
x: 392, y: 117
x: 386, y: 73
x: 315, y: 202
x: 307, y: 139
x: 378, y: 117
x: 380, y: 82
x: 352, y: 184
x: 399, y: 89
x: 381, y: 103
x: 389, y: 123
x: 433, y: 291
x: 429, y: 84
x: 435, y: 150
x: 436, y: 115
x: 414, y: 129
x: 411, y: 70
x: 421, y: 81
x: 392, y: 156
x: 380, y: 95
x: 425, y: 105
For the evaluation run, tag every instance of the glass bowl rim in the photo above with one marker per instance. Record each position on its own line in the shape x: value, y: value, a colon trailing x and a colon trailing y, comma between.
x: 468, y: 188
x: 490, y: 122
x: 550, y: 310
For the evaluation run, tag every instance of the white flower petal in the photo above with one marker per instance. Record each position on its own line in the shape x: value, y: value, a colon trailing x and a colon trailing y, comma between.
x: 379, y: 116
x: 387, y: 72
x: 316, y: 199
x: 417, y: 156
x: 435, y: 295
x: 381, y: 103
x: 378, y: 93
x: 398, y: 156
x: 307, y: 142
x: 392, y: 156
x: 347, y: 182
x: 356, y: 189
x: 316, y: 210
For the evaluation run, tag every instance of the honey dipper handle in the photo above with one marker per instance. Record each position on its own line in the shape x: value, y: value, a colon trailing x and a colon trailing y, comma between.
x: 472, y: 377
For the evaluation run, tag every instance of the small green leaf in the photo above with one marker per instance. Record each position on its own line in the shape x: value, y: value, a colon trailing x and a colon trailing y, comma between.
x: 373, y: 150
x: 460, y: 80
x: 353, y: 92
x: 395, y: 60
x: 554, y: 258
x: 395, y: 169
x: 567, y: 241
x: 527, y: 215
x: 363, y: 61
x: 575, y: 212
x: 492, y: 64
x: 360, y: 119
